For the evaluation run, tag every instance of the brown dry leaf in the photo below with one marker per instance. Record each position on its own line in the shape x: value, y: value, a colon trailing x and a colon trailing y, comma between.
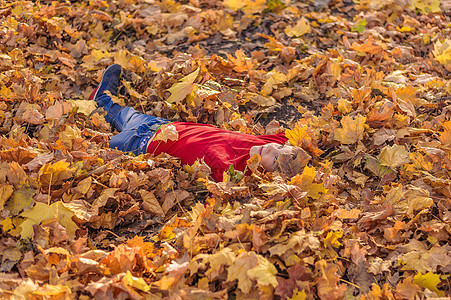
x: 328, y: 282
x: 6, y: 191
x: 347, y: 214
x: 172, y: 198
x: 369, y: 47
x: 423, y: 260
x: 174, y: 271
x: 445, y: 136
x: 150, y: 203
x: 33, y: 117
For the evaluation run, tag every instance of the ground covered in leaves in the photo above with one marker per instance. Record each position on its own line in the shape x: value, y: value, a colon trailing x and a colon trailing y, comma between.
x: 363, y: 86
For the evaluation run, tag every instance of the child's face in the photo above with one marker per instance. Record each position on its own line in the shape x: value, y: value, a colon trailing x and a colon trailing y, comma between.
x: 270, y: 153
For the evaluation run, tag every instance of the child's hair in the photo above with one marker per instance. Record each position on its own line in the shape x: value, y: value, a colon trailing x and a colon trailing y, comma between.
x: 294, y: 162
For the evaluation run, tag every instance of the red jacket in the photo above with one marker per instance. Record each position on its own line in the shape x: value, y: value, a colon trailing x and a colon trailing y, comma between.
x: 220, y: 148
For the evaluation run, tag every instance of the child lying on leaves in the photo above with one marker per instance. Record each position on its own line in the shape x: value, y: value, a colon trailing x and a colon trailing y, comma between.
x: 218, y: 147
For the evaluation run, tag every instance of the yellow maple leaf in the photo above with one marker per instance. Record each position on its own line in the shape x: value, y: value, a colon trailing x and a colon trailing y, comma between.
x: 121, y: 57
x: 344, y: 106
x: 417, y: 199
x: 302, y: 27
x: 305, y: 182
x: 393, y: 156
x: 273, y: 78
x: 331, y: 239
x: 167, y: 132
x: 69, y: 135
x: 20, y: 199
x: 352, y: 130
x: 298, y: 295
x: 404, y: 29
x: 298, y: 136
x: 137, y: 64
x: 55, y: 173
x: 41, y: 212
x: 183, y: 88
x: 264, y: 272
x: 429, y: 281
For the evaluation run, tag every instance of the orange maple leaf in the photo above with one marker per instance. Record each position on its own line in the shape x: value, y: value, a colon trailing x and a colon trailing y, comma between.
x: 241, y: 62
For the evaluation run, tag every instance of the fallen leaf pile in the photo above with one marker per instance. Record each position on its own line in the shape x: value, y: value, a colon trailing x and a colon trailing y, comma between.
x: 362, y: 86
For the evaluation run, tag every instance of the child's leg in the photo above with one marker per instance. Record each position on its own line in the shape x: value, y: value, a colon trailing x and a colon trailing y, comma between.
x: 126, y: 118
x: 133, y: 140
x: 136, y: 129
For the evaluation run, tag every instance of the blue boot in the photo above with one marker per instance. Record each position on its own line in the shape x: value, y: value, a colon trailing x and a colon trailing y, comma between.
x: 111, y: 79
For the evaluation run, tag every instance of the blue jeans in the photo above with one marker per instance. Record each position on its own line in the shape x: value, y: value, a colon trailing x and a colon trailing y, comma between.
x: 136, y: 129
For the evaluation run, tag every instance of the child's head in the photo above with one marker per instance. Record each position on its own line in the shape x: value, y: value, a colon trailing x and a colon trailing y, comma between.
x: 293, y: 163
x: 284, y: 158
